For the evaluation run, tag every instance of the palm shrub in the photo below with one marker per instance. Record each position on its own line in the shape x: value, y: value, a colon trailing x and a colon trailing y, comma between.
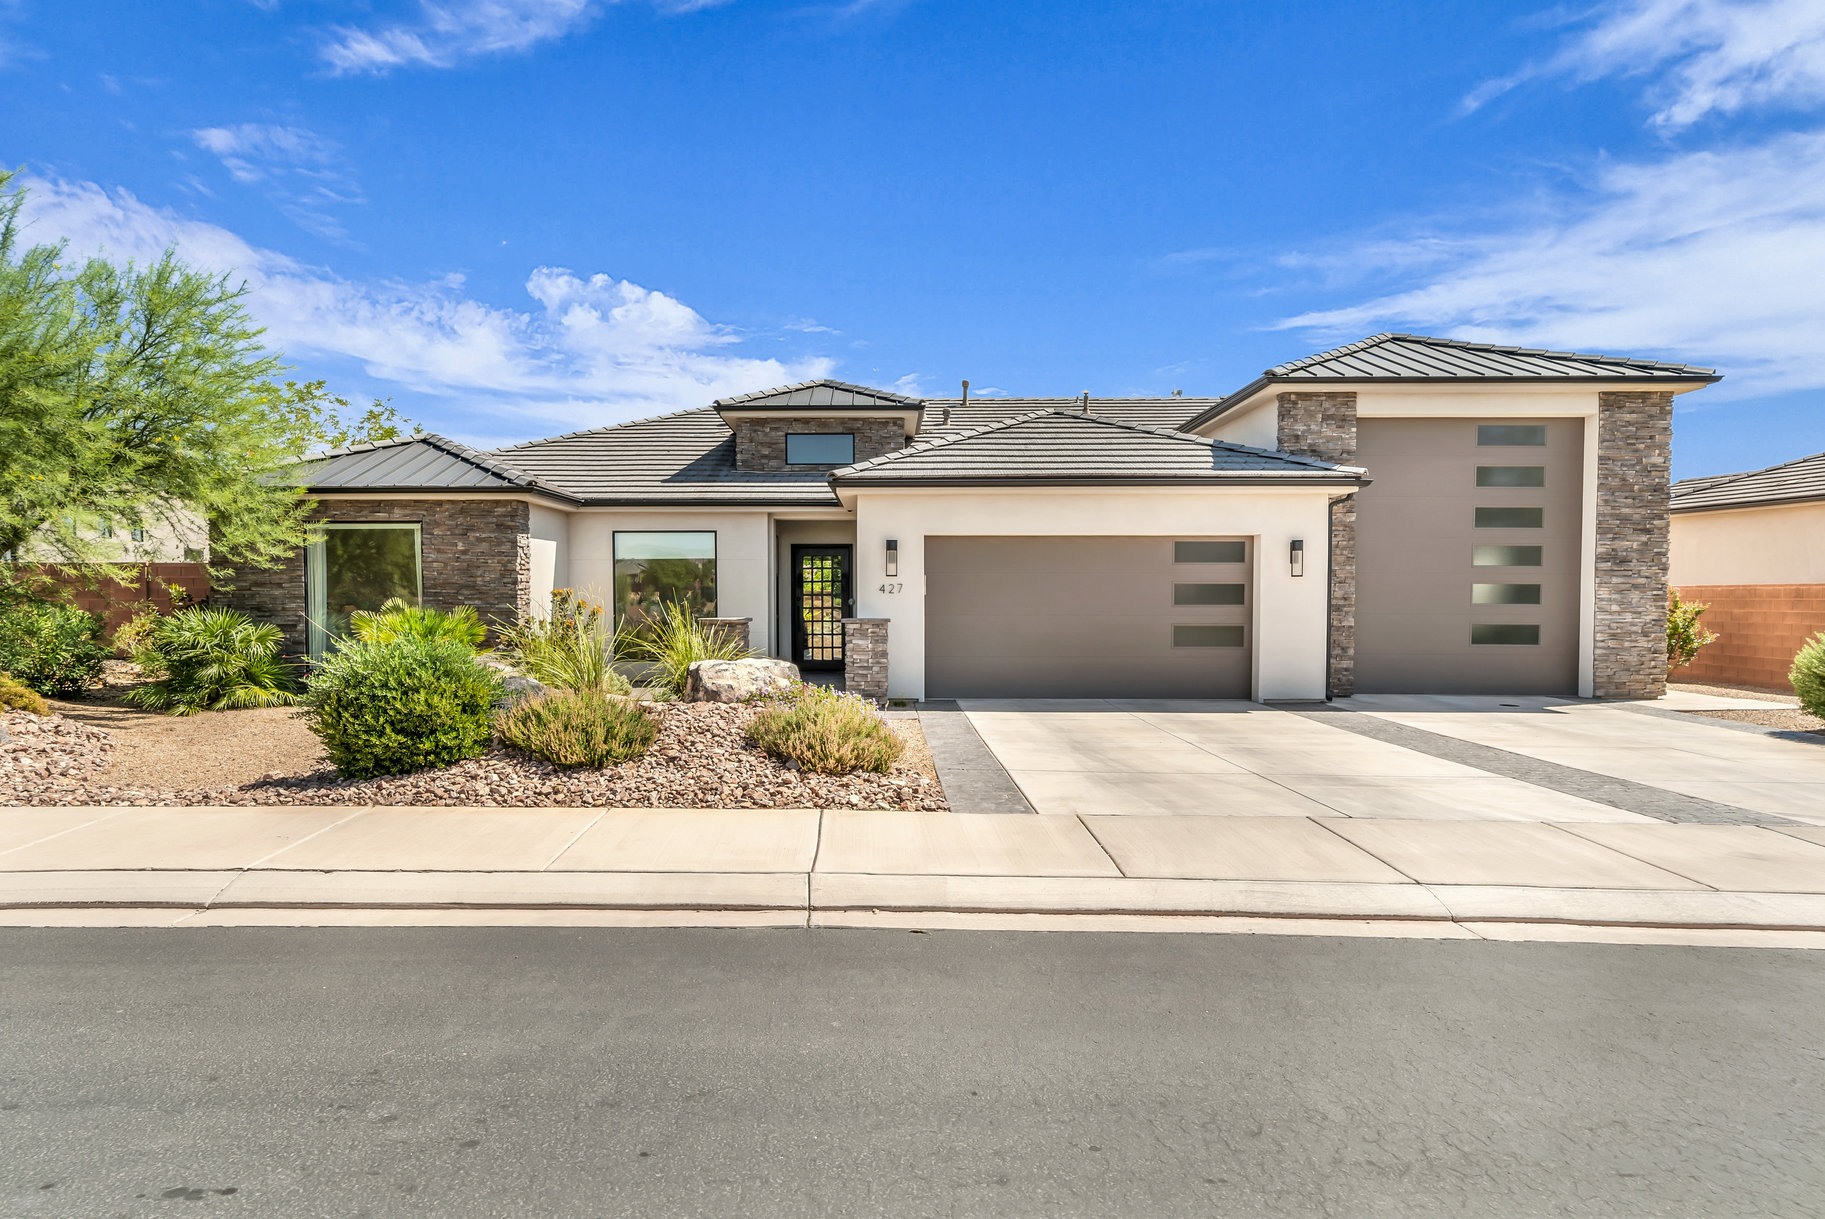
x: 405, y: 705
x: 17, y: 696
x: 570, y: 648
x: 675, y: 639
x: 579, y: 728
x: 52, y: 648
x: 1808, y: 675
x: 1685, y: 633
x: 826, y: 732
x: 203, y: 659
x: 400, y: 619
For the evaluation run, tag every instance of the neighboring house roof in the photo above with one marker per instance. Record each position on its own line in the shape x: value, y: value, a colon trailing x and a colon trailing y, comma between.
x: 1396, y: 358
x: 425, y: 462
x: 826, y: 394
x: 1058, y: 446
x: 687, y: 458
x: 1798, y: 480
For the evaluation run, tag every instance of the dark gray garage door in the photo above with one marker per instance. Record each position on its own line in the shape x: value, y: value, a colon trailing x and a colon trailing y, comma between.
x: 1087, y: 617
x: 1468, y: 558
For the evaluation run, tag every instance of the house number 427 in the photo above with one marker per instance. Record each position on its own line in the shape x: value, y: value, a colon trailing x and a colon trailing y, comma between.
x: 892, y: 588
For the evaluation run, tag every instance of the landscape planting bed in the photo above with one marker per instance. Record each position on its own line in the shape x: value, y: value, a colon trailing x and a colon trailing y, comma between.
x: 701, y: 759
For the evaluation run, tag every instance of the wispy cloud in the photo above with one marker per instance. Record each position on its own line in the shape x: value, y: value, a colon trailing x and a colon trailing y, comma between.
x: 300, y: 170
x: 446, y: 33
x: 588, y: 350
x: 1704, y: 57
x: 1715, y: 255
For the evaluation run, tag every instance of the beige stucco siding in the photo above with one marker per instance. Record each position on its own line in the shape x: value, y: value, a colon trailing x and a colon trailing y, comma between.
x: 1774, y: 544
x: 743, y: 543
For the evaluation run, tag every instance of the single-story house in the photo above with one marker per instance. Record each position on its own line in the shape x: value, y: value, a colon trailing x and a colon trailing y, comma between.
x: 1752, y: 547
x: 1402, y: 514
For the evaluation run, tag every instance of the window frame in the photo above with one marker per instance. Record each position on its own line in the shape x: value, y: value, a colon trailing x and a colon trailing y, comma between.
x: 614, y: 564
x: 317, y: 639
x: 830, y: 465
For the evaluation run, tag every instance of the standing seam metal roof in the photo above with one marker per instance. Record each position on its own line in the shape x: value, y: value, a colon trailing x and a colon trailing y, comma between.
x: 425, y: 461
x: 822, y: 394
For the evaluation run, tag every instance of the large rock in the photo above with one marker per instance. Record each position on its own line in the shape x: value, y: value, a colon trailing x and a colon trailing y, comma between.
x: 730, y: 681
x: 516, y: 687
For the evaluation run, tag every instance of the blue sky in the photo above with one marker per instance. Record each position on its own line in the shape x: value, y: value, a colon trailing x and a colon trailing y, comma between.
x: 519, y: 217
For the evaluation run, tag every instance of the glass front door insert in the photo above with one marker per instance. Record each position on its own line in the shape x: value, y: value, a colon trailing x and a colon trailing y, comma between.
x: 821, y: 599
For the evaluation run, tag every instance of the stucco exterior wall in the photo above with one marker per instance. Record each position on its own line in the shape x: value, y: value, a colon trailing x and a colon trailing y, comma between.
x: 550, y: 550
x: 1776, y: 544
x: 743, y: 579
x: 1290, y: 614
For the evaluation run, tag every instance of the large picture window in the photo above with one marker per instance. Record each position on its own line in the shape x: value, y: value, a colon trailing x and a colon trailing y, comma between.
x: 662, y: 567
x: 353, y: 567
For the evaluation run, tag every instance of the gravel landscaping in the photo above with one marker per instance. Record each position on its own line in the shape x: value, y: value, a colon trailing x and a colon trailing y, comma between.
x: 700, y: 760
x: 1788, y: 718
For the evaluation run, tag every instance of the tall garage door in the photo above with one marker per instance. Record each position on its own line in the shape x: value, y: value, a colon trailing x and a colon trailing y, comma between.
x: 1467, y: 556
x: 1087, y: 617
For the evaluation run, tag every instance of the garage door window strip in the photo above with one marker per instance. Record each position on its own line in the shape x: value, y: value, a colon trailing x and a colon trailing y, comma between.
x: 1511, y: 476
x: 1510, y: 518
x: 1206, y: 635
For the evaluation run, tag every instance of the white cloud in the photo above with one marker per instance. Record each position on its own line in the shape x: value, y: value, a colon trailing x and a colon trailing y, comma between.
x: 590, y: 351
x: 445, y: 33
x: 1704, y: 57
x: 301, y: 171
x: 1712, y: 255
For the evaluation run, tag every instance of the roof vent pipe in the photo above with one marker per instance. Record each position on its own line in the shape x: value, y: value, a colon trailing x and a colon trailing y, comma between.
x: 966, y: 402
x: 1086, y: 402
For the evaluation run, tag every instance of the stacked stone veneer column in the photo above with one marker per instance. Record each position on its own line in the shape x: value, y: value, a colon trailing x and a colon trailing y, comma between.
x: 865, y: 657
x: 476, y: 552
x: 1324, y: 426
x: 760, y: 444
x: 1634, y: 470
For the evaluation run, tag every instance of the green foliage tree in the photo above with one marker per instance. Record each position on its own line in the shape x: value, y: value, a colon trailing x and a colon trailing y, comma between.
x: 142, y: 397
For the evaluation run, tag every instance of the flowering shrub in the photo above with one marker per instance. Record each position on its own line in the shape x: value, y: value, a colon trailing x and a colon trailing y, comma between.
x: 1685, y: 633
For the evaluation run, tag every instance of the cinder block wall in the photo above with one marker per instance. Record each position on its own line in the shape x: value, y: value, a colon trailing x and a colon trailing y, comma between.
x: 1759, y: 627
x: 476, y: 552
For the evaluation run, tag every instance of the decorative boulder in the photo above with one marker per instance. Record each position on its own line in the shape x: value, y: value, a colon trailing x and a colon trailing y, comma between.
x: 730, y: 681
x: 516, y: 686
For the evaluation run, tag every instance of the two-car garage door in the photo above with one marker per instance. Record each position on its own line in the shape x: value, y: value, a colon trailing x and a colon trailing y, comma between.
x: 1087, y: 617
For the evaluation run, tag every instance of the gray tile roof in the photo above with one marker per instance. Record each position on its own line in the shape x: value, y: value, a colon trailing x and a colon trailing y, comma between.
x: 1418, y: 357
x: 825, y: 393
x: 1065, y: 446
x: 417, y: 463
x: 1169, y: 413
x: 687, y: 458
x: 1802, y: 479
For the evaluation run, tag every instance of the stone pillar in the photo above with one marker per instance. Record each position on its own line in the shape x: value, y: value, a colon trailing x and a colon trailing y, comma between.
x: 732, y: 628
x: 1323, y: 425
x: 865, y: 657
x: 1634, y: 471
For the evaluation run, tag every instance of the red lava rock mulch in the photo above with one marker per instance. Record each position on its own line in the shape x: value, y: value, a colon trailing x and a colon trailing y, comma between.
x: 701, y: 759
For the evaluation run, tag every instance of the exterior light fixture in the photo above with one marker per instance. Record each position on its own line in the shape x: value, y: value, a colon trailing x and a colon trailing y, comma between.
x: 893, y: 557
x: 1296, y: 556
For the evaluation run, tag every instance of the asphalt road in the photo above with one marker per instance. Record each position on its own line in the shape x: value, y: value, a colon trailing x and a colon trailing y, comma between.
x: 544, y: 1072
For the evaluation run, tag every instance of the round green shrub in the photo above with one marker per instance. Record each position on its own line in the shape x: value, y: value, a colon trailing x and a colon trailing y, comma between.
x: 51, y: 648
x: 1808, y: 675
x: 404, y: 705
x: 16, y: 696
x: 579, y: 728
x: 203, y: 659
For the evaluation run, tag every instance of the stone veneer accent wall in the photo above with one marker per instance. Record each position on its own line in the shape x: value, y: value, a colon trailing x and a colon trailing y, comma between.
x: 760, y: 444
x: 1634, y: 471
x: 475, y: 552
x: 865, y: 657
x: 733, y: 628
x: 1324, y: 426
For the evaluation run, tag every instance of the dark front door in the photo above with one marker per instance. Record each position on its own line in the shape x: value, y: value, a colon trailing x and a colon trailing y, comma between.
x: 821, y: 599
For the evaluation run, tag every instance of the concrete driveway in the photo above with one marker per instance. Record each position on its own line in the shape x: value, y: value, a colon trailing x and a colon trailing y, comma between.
x: 1400, y: 757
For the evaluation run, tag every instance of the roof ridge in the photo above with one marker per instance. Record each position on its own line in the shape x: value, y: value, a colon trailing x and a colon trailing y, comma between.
x: 607, y: 427
x: 1376, y: 340
x: 821, y: 382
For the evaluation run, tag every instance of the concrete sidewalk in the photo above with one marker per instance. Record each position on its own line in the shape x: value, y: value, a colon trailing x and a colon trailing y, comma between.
x: 805, y: 867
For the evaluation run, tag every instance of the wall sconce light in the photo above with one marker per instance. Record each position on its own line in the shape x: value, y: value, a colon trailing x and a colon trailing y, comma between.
x: 893, y: 557
x: 1296, y: 556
